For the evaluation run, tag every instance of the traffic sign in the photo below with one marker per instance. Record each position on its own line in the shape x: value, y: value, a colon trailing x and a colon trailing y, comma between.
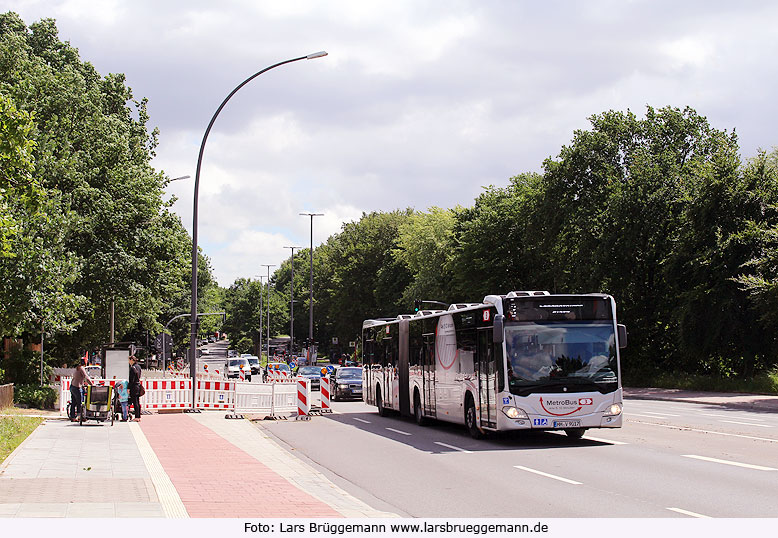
x: 331, y: 369
x: 292, y: 365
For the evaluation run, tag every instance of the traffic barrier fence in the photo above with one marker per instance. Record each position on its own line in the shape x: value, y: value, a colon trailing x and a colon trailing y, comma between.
x: 274, y: 399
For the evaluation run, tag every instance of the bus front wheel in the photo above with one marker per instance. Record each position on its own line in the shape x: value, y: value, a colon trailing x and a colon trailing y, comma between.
x: 575, y: 433
x: 471, y: 420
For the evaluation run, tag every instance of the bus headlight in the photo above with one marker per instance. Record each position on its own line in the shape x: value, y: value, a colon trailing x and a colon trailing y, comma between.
x: 514, y: 412
x: 612, y: 411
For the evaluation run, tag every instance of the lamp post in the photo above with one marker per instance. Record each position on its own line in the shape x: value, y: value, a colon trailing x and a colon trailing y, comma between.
x: 268, y: 309
x: 310, y: 318
x: 193, y: 321
x: 261, y: 315
x: 291, y: 305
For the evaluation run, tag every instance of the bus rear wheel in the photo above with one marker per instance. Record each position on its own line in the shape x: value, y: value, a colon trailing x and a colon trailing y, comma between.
x: 380, y: 402
x: 418, y: 412
x: 575, y: 433
x: 471, y: 420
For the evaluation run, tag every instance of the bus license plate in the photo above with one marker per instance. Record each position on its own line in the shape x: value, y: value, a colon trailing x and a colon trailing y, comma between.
x: 567, y: 423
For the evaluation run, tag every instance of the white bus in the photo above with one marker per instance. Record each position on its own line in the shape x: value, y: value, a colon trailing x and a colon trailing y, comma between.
x: 525, y: 360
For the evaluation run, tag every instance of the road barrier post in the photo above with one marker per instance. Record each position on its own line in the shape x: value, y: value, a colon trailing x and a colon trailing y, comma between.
x: 303, y: 399
x: 325, y: 394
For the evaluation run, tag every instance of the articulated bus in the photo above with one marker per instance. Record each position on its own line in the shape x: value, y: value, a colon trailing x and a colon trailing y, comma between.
x: 525, y: 360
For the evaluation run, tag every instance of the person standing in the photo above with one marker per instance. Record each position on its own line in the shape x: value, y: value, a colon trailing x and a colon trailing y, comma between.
x: 135, y: 388
x: 123, y: 393
x: 80, y: 378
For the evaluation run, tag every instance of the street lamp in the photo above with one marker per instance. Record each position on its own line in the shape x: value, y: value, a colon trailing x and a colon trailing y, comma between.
x: 310, y: 319
x: 268, y: 310
x: 169, y: 181
x: 261, y: 314
x: 291, y: 305
x: 193, y: 321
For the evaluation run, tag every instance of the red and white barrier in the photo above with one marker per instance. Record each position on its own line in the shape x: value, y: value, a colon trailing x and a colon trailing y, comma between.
x: 167, y: 393
x: 303, y: 398
x: 274, y: 399
x: 325, y: 394
x: 215, y: 394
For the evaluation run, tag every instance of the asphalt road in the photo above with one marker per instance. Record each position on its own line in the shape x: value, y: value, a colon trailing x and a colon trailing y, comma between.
x: 669, y: 460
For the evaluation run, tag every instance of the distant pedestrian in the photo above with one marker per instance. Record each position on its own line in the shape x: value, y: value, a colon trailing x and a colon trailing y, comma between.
x: 135, y: 388
x: 80, y: 378
x: 123, y: 392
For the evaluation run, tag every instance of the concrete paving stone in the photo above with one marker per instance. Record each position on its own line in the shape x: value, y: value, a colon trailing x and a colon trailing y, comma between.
x: 9, y: 509
x: 90, y: 510
x: 139, y: 510
x: 42, y: 510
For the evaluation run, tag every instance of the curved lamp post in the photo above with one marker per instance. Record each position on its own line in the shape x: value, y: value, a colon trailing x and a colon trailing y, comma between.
x: 193, y: 333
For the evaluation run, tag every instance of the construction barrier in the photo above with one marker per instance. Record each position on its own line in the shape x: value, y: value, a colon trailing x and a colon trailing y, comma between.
x: 167, y: 394
x: 215, y: 394
x: 325, y: 394
x: 276, y: 399
x: 303, y: 398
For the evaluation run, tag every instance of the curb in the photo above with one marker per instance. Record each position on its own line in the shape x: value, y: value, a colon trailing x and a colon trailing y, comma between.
x: 768, y: 406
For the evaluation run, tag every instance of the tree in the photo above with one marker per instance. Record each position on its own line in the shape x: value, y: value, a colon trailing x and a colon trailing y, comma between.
x: 107, y: 221
x: 425, y: 247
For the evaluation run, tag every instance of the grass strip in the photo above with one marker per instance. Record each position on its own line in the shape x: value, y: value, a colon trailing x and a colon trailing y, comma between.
x: 13, y: 431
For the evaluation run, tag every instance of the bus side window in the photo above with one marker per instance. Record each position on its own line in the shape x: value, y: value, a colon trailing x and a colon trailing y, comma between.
x: 466, y: 341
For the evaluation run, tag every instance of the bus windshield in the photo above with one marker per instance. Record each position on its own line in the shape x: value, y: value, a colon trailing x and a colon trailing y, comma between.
x: 561, y: 357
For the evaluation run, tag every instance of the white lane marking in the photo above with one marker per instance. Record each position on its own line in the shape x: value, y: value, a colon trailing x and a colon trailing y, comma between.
x: 639, y: 415
x: 687, y: 513
x: 398, y: 431
x: 727, y: 462
x: 452, y: 447
x: 729, y: 416
x: 747, y: 423
x: 704, y: 431
x: 361, y: 420
x: 541, y: 473
x: 601, y: 440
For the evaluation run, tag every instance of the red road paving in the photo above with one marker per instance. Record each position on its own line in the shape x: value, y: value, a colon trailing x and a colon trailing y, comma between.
x: 214, y: 478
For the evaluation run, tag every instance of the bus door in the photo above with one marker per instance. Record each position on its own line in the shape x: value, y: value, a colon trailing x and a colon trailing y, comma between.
x: 428, y: 374
x: 486, y: 369
x: 405, y: 405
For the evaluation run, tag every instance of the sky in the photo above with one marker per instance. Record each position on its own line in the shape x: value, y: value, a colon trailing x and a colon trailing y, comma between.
x: 418, y: 103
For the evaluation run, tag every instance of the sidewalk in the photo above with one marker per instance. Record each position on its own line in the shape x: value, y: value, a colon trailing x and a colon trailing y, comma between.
x: 167, y: 466
x: 756, y: 402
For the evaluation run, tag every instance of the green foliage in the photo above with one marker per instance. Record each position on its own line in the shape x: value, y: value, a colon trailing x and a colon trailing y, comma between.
x: 35, y: 396
x: 657, y: 211
x: 102, y: 232
x: 23, y: 367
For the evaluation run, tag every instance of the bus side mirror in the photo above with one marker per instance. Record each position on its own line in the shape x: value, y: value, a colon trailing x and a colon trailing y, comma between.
x: 497, y: 331
x: 622, y: 336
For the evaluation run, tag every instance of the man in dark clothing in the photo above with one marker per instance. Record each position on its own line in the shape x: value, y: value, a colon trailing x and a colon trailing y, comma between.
x: 134, y: 383
x: 80, y: 378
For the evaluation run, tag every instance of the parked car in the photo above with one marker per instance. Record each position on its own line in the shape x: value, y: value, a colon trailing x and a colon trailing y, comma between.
x: 313, y: 373
x: 347, y: 383
x: 233, y: 368
x: 277, y: 366
x: 232, y: 353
